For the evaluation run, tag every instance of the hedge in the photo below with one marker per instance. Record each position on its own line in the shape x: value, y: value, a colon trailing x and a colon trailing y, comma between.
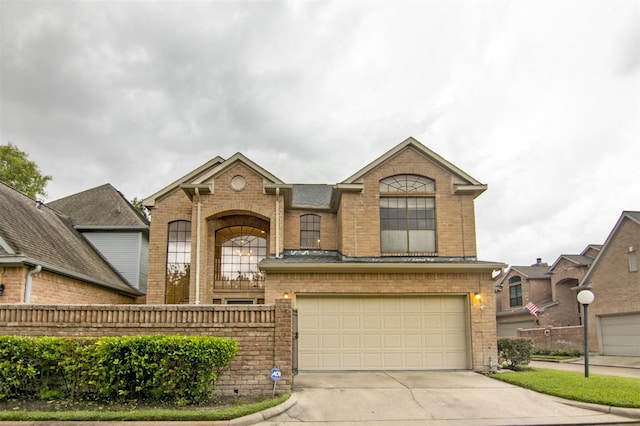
x: 178, y: 369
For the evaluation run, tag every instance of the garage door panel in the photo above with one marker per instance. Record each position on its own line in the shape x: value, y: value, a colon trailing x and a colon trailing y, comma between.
x: 351, y: 341
x: 373, y: 322
x: 392, y: 322
x: 620, y: 335
x: 412, y: 321
x: 433, y: 321
x: 412, y: 341
x: 372, y: 341
x: 393, y: 360
x: 377, y: 333
x: 330, y: 341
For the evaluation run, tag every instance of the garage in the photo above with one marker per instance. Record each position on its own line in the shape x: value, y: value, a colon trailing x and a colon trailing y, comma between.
x: 620, y: 335
x: 510, y: 329
x: 382, y: 333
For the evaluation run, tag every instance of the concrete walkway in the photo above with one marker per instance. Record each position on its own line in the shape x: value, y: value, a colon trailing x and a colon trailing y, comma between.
x: 433, y: 398
x: 624, y: 366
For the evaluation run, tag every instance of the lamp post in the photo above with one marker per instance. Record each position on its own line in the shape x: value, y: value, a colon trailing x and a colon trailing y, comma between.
x: 585, y: 297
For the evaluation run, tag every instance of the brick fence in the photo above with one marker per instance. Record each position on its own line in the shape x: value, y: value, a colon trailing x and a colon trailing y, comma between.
x: 555, y: 338
x: 263, y: 332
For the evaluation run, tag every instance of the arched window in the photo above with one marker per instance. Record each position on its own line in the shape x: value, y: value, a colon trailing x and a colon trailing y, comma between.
x: 407, y: 183
x: 238, y: 251
x: 407, y: 222
x: 178, y: 262
x: 309, y: 231
x: 515, y: 291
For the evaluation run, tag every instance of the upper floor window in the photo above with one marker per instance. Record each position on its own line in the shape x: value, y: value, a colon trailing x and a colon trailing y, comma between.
x: 408, y: 223
x: 407, y: 183
x: 633, y: 261
x: 309, y: 231
x: 238, y: 251
x: 515, y: 291
x: 178, y: 262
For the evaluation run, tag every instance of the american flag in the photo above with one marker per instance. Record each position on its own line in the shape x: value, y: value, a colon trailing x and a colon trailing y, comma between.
x: 533, y: 309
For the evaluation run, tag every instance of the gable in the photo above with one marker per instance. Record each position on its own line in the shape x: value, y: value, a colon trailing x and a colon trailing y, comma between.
x: 628, y: 228
x: 461, y: 181
x: 200, y: 180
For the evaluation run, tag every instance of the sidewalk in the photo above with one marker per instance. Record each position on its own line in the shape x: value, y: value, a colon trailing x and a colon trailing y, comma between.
x: 624, y: 366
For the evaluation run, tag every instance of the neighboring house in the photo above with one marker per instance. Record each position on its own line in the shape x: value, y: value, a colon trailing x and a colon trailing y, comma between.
x: 614, y: 314
x: 116, y: 228
x: 44, y: 260
x: 381, y: 267
x: 550, y: 289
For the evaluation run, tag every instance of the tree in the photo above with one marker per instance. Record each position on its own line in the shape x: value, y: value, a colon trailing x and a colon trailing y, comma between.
x: 137, y: 203
x: 18, y: 171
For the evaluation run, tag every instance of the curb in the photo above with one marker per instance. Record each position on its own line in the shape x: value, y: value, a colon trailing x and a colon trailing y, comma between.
x: 261, y: 416
x: 633, y: 413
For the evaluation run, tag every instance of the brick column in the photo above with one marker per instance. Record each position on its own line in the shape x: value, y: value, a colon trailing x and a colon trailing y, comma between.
x: 283, y: 345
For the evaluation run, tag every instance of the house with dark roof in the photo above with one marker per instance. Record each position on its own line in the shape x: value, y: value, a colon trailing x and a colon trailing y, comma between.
x: 614, y: 314
x: 550, y: 290
x: 113, y: 226
x: 45, y: 260
x: 381, y: 267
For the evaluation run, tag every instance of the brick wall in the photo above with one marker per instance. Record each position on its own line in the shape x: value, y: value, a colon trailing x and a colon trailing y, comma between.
x: 616, y: 289
x: 558, y: 337
x: 51, y: 288
x: 263, y: 332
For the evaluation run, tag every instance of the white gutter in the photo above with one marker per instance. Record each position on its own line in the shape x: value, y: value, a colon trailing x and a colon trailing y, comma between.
x: 198, y: 248
x: 27, y: 286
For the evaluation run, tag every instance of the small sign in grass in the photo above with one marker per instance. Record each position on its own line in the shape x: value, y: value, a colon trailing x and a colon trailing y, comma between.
x: 597, y: 389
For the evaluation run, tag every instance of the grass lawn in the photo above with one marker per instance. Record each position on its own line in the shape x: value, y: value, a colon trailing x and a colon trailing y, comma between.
x: 101, y: 413
x: 598, y: 389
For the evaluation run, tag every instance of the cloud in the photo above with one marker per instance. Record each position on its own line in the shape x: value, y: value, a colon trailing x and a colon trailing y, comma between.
x: 538, y: 99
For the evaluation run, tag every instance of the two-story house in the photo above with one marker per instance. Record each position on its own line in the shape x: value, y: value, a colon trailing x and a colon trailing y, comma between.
x: 614, y: 314
x: 382, y: 267
x: 551, y: 290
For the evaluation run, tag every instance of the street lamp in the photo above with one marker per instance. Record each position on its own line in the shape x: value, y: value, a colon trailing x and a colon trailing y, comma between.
x: 585, y: 297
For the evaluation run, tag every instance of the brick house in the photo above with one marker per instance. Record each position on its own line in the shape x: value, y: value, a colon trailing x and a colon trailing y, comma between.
x: 44, y: 260
x: 381, y: 268
x: 550, y: 288
x: 614, y: 314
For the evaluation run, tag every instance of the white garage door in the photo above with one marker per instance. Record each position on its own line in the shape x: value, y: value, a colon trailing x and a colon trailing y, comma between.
x: 620, y: 335
x: 382, y: 333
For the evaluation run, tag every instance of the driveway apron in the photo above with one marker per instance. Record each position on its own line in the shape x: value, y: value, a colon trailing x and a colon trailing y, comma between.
x: 435, y: 398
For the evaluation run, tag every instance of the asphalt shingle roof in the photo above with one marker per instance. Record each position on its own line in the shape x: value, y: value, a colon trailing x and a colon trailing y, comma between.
x: 312, y: 195
x: 36, y: 232
x: 102, y: 206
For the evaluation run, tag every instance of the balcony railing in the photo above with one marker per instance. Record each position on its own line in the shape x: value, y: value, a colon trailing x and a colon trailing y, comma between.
x: 256, y: 283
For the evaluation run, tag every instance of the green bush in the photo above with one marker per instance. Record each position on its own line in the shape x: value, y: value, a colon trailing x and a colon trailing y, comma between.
x: 513, y: 353
x: 180, y: 369
x: 558, y: 352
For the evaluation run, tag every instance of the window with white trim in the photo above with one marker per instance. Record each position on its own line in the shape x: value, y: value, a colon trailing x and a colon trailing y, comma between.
x: 407, y: 223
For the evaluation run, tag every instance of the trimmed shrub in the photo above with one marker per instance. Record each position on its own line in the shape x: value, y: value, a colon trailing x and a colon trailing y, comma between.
x: 558, y: 352
x: 179, y: 369
x: 513, y: 353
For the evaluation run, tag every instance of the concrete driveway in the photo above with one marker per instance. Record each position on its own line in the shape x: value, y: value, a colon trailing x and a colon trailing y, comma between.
x: 417, y: 398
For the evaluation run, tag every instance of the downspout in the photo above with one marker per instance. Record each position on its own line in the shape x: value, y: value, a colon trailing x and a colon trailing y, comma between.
x: 27, y: 286
x: 277, y: 222
x: 198, y: 248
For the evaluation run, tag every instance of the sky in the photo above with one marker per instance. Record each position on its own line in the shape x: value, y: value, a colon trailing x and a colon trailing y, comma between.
x: 540, y: 100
